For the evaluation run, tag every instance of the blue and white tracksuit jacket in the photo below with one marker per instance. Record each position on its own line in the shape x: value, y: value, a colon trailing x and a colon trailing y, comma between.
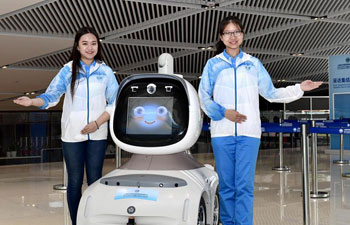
x: 95, y: 92
x: 235, y: 83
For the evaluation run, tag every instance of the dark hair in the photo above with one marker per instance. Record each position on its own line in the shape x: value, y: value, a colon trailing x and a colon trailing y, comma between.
x: 75, y: 56
x: 220, y: 46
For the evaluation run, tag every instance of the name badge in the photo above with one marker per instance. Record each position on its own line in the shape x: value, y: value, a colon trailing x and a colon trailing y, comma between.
x: 136, y: 193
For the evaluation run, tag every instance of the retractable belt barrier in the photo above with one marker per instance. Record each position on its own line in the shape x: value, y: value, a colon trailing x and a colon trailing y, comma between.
x: 341, y: 127
x: 319, y: 122
x: 338, y: 126
x: 329, y: 130
x: 335, y: 128
x: 280, y: 128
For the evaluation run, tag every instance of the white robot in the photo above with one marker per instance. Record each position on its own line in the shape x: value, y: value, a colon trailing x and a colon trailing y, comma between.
x: 158, y: 118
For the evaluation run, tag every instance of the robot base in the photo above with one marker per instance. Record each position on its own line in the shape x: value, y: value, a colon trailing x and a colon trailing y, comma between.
x: 173, y: 190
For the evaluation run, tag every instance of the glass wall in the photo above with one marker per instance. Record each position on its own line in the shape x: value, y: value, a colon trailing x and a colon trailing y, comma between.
x: 29, y: 137
x: 306, y: 108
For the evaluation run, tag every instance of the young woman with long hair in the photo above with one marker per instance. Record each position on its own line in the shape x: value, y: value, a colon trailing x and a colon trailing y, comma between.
x: 90, y: 89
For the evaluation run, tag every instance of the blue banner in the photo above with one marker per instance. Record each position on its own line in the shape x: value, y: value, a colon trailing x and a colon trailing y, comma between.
x: 339, y: 93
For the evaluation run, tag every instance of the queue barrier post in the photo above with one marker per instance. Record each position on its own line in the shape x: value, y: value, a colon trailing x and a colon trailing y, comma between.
x: 281, y: 167
x: 341, y: 160
x: 315, y: 194
x: 62, y: 187
x: 305, y: 174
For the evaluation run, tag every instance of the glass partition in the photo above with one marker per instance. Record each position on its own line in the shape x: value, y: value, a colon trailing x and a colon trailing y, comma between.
x: 29, y: 137
x: 308, y: 108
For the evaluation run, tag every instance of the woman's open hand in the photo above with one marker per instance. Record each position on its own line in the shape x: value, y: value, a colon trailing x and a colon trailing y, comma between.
x: 24, y: 101
x: 309, y: 85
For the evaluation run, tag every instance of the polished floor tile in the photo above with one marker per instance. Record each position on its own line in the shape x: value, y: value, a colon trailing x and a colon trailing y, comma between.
x: 27, y: 195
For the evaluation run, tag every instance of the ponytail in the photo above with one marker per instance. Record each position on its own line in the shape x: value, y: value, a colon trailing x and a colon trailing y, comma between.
x: 220, y: 47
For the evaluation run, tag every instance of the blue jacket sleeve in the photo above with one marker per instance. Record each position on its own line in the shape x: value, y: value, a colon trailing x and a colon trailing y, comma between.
x: 111, y: 91
x: 56, y: 89
x: 272, y: 94
x: 206, y: 87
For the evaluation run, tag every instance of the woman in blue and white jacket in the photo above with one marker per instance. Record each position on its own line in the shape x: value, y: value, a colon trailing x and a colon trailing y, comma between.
x: 229, y: 93
x: 90, y: 89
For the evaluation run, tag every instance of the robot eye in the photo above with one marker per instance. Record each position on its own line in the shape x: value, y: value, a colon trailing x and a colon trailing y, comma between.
x: 162, y: 111
x: 139, y: 111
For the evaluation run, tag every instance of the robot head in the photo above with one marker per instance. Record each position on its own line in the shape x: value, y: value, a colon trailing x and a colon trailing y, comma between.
x: 156, y: 114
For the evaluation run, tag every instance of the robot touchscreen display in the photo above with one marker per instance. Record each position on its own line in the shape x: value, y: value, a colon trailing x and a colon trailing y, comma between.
x: 149, y: 115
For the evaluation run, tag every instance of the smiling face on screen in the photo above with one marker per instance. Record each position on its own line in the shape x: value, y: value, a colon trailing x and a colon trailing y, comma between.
x: 151, y: 116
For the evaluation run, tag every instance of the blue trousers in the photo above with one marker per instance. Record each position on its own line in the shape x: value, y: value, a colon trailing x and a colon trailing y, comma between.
x: 235, y: 159
x: 77, y: 155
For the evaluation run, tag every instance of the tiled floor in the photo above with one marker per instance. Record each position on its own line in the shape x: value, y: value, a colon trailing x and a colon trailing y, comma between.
x: 27, y: 196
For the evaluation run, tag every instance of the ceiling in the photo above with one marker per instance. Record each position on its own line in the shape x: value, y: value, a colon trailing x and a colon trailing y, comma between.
x: 293, y: 39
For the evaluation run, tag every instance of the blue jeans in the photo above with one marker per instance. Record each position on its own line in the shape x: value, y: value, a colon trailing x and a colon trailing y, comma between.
x: 77, y: 155
x: 235, y: 159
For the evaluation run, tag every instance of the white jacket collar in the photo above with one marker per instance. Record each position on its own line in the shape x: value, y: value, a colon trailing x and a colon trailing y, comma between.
x: 92, y: 69
x: 239, y: 60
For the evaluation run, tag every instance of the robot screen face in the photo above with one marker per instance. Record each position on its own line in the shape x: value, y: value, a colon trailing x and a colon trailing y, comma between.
x: 151, y: 111
x: 149, y: 115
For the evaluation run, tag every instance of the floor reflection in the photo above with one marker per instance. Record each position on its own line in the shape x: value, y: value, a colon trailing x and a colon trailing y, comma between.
x: 340, y: 192
x: 27, y: 196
